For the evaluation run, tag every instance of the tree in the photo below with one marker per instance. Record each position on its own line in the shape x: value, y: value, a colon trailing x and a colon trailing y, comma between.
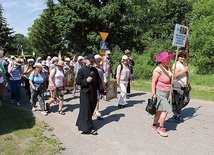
x: 44, y: 35
x: 6, y: 38
x: 24, y: 41
x: 202, y: 36
x: 82, y: 21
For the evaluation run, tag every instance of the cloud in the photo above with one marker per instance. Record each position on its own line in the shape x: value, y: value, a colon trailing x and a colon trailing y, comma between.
x: 36, y: 6
x: 7, y: 4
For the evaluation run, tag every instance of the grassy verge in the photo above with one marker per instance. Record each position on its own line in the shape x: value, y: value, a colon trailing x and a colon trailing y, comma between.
x: 202, y: 86
x: 21, y: 133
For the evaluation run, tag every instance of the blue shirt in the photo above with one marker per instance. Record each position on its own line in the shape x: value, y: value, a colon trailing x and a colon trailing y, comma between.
x: 37, y: 79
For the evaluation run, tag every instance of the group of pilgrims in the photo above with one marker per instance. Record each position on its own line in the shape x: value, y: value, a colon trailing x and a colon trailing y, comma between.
x: 91, y: 75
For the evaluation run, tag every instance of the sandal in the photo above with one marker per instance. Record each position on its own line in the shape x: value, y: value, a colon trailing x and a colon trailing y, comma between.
x: 61, y: 112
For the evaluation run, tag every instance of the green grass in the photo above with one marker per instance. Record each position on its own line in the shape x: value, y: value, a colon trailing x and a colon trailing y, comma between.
x: 202, y: 86
x: 21, y: 133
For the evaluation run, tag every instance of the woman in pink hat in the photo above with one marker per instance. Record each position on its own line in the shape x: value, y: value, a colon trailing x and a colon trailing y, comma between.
x: 161, y: 83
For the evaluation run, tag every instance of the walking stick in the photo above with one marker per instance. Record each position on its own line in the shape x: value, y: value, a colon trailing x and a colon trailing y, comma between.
x: 187, y: 54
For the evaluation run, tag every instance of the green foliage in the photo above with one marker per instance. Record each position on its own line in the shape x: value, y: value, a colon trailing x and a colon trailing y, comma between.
x: 6, y: 38
x: 202, y: 36
x: 144, y: 26
x: 44, y: 35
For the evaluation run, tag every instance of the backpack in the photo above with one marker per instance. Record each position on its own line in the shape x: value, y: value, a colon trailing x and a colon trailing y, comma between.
x: 115, y: 71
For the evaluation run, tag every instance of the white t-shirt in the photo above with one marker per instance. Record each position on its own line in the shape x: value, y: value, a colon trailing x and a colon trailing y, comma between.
x: 181, y: 79
x: 58, y: 78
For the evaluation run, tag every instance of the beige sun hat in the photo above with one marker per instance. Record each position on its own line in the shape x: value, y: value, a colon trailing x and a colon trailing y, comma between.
x: 60, y: 63
x: 18, y: 62
x: 127, y: 51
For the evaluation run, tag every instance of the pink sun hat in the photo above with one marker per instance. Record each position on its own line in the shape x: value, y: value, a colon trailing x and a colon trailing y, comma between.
x: 163, y: 55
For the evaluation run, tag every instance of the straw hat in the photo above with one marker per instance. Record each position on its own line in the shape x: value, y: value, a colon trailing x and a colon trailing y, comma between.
x: 60, y: 63
x: 18, y: 62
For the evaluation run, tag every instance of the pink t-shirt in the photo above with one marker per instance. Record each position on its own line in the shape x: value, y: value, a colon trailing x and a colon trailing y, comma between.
x: 163, y: 82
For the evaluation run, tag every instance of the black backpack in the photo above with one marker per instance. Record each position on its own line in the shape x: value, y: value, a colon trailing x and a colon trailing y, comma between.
x: 115, y: 71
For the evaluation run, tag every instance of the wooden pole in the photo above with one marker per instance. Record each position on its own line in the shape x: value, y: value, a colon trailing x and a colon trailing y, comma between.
x: 187, y: 47
x: 187, y: 54
x: 173, y: 74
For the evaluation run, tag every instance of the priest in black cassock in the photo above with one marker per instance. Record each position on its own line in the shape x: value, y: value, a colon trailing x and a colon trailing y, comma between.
x: 89, y: 80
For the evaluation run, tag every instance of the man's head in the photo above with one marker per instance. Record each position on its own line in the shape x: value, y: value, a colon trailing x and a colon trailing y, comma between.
x: 90, y: 60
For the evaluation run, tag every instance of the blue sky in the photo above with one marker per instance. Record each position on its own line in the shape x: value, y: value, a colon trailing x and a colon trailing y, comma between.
x: 20, y: 14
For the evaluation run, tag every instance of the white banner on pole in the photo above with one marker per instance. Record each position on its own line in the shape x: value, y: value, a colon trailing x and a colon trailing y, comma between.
x: 180, y: 35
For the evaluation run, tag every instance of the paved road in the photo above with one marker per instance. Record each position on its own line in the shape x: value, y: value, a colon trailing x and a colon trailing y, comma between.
x: 127, y: 131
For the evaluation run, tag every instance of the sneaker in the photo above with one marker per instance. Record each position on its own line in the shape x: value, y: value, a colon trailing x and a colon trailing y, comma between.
x: 12, y: 101
x: 120, y: 106
x: 44, y: 113
x: 61, y: 112
x: 18, y: 104
x: 155, y: 127
x: 128, y: 96
x: 34, y: 109
x: 162, y: 132
x: 47, y: 107
x: 97, y: 114
x: 178, y: 118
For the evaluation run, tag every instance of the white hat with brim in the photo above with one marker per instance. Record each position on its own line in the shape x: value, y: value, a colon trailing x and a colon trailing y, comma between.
x: 124, y: 57
x: 80, y: 58
x: 12, y: 57
x: 30, y: 60
x: 67, y: 59
x: 108, y: 52
x: 97, y: 56
x: 38, y: 65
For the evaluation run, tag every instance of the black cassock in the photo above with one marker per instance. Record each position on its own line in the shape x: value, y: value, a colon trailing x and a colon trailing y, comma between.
x: 88, y: 97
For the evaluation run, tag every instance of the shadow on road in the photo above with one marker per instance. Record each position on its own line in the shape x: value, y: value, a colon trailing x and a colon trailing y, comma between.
x: 136, y: 94
x: 111, y: 118
x: 187, y: 113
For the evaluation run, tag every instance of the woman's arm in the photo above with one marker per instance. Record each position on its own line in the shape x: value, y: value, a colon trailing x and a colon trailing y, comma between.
x: 51, y: 77
x: 10, y: 68
x: 155, y: 77
x: 179, y: 73
x: 32, y: 85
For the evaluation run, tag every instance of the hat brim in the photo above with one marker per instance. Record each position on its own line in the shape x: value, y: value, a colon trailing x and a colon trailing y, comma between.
x: 91, y: 60
x: 159, y: 58
x: 38, y: 66
x: 60, y: 65
x: 18, y: 64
